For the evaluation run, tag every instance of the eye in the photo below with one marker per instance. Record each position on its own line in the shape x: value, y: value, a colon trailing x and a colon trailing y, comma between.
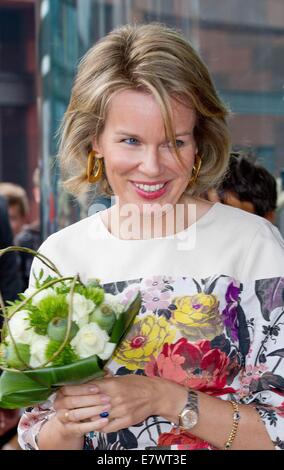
x: 179, y: 143
x: 131, y: 141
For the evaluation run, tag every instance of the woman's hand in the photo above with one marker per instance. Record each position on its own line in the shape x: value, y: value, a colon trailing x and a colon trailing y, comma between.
x: 76, y: 406
x: 134, y: 398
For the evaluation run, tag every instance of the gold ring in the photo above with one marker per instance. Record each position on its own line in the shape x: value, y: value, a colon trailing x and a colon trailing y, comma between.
x: 66, y: 416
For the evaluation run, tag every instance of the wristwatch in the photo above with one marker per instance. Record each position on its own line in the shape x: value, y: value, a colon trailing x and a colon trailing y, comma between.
x: 188, y: 417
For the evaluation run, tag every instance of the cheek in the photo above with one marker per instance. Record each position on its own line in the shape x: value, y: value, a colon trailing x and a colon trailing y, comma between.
x: 119, y: 163
x: 184, y: 168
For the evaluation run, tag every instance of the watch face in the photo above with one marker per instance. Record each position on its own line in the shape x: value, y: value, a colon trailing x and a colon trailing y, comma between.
x: 189, y: 418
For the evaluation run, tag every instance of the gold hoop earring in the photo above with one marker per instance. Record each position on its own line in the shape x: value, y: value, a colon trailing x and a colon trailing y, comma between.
x: 94, y: 167
x: 195, y: 170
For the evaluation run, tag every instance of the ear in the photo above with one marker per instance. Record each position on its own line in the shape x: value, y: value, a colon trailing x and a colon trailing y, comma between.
x: 96, y: 146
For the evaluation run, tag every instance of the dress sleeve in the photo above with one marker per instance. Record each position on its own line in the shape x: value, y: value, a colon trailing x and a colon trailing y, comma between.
x: 264, y: 255
x: 31, y: 423
x: 261, y: 382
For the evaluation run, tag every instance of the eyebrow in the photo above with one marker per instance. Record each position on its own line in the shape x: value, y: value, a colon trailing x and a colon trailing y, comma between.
x: 123, y: 132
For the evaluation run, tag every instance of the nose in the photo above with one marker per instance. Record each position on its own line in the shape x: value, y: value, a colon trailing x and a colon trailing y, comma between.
x: 151, y: 163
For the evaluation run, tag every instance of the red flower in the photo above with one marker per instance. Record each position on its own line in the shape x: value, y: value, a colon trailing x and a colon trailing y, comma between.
x: 193, y: 365
x: 177, y: 437
x: 280, y: 409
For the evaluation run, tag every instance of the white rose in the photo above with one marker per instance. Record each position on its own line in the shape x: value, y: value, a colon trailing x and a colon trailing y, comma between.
x: 90, y: 340
x: 113, y: 302
x: 82, y: 307
x: 20, y: 329
x: 40, y: 295
x: 108, y: 351
x: 37, y: 350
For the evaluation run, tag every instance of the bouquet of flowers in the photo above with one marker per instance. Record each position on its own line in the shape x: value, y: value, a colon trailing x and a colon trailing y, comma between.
x: 60, y: 332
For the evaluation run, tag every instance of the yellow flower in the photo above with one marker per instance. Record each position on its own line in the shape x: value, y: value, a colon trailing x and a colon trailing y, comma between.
x: 145, y: 339
x: 198, y: 316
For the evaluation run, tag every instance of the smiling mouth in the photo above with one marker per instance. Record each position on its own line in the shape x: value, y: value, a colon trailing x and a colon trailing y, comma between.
x: 149, y: 188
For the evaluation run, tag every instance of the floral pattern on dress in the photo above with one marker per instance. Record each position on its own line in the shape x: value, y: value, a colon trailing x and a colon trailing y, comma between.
x: 217, y: 335
x: 196, y: 366
x: 197, y: 316
x: 146, y: 338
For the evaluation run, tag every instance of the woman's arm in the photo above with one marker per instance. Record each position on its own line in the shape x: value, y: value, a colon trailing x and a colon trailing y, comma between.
x: 134, y: 398
x: 216, y: 419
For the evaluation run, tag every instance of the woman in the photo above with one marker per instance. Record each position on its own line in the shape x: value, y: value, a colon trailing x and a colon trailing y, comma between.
x: 201, y: 366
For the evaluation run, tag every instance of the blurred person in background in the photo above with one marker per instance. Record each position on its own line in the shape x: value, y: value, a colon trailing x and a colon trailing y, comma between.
x: 10, y: 286
x: 18, y: 205
x: 30, y: 236
x: 10, y: 283
x: 25, y: 235
x: 247, y: 186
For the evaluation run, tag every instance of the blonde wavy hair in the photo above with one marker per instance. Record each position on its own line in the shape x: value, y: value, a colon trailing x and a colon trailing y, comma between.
x: 152, y: 58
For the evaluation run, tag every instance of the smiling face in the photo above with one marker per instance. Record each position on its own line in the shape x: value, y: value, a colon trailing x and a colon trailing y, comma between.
x: 140, y: 163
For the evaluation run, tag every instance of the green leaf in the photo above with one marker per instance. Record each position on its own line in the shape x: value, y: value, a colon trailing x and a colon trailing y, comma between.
x: 19, y: 391
x: 78, y: 372
x: 26, y: 388
x: 125, y: 320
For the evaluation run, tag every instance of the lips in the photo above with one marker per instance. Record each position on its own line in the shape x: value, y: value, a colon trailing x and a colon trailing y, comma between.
x: 146, y: 194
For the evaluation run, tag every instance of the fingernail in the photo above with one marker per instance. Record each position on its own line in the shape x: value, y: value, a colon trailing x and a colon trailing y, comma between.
x: 93, y: 389
x: 104, y: 414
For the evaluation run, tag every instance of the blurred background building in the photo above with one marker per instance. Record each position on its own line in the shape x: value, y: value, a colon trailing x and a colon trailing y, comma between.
x: 242, y: 42
x: 19, y: 133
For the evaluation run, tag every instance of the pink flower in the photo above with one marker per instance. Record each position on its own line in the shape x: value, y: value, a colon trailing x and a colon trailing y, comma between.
x: 249, y: 374
x: 154, y: 299
x: 129, y: 295
x: 155, y: 283
x: 280, y: 409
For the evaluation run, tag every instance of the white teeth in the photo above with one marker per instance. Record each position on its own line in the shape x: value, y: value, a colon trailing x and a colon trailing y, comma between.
x: 148, y: 188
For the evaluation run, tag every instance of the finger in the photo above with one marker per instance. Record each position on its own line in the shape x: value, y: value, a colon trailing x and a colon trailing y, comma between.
x: 86, y: 413
x: 83, y: 389
x: 80, y: 429
x: 63, y: 416
x: 72, y: 402
x: 108, y: 385
x: 122, y: 416
x: 115, y: 425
